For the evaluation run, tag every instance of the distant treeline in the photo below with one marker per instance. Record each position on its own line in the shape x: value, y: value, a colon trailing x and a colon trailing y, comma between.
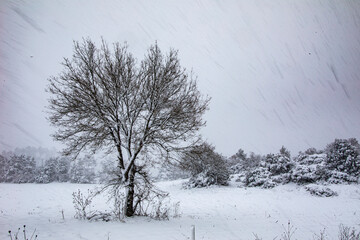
x: 19, y: 168
x: 339, y: 162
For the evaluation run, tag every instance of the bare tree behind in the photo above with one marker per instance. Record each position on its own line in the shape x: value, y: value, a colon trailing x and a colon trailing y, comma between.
x: 104, y: 100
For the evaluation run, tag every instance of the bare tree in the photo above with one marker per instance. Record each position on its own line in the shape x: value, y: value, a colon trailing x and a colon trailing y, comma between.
x: 104, y: 100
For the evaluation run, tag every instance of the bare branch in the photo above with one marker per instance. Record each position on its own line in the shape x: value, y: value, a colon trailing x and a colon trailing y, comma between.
x: 104, y: 100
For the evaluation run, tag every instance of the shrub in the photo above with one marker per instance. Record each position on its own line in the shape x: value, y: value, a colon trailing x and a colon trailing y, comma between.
x: 273, y: 170
x: 311, y: 151
x: 321, y: 191
x: 309, y: 168
x: 259, y: 177
x: 240, y: 162
x: 206, y: 166
x: 289, y: 231
x: 346, y: 233
x: 4, y: 162
x: 20, y: 169
x: 317, y: 168
x: 205, y: 179
x: 339, y: 163
x: 278, y: 163
x: 336, y: 177
x: 343, y: 156
x: 82, y: 204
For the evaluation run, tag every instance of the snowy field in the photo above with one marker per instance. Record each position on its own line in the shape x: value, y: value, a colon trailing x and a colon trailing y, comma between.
x: 217, y: 213
x: 278, y: 72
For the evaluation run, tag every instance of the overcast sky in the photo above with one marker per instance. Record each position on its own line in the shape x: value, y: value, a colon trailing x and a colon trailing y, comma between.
x: 278, y: 72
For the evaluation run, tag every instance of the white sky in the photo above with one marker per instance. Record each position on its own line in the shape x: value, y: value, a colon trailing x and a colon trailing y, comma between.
x: 279, y: 72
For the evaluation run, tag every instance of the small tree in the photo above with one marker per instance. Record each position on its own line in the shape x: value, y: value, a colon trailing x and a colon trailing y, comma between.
x: 284, y: 152
x: 238, y: 157
x: 312, y: 150
x: 4, y: 165
x: 272, y: 170
x: 103, y: 100
x: 20, y: 169
x: 240, y: 162
x: 344, y: 155
x: 309, y: 167
x: 63, y: 169
x: 50, y: 170
x: 205, y: 165
x: 55, y: 169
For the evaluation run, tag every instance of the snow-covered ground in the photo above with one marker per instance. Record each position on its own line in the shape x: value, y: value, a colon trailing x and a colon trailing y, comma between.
x: 217, y: 213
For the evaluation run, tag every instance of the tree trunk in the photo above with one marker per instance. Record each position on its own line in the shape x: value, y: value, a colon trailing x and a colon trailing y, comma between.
x: 129, y: 205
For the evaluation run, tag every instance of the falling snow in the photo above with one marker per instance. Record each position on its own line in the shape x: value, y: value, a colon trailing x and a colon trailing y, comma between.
x: 279, y: 72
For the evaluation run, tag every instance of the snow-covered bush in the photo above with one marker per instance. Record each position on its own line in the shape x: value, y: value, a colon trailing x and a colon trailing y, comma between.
x: 55, y: 169
x: 339, y: 163
x: 259, y: 177
x: 278, y: 163
x: 4, y: 163
x: 203, y: 179
x: 320, y: 191
x: 240, y: 162
x: 40, y: 176
x: 273, y: 170
x: 321, y: 167
x: 337, y: 177
x: 309, y: 168
x: 18, y: 169
x: 50, y: 170
x: 63, y: 169
x: 344, y: 155
x: 237, y: 161
x: 312, y: 151
x: 206, y: 166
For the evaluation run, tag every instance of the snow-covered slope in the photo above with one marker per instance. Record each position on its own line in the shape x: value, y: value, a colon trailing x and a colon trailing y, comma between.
x: 279, y: 72
x: 218, y: 213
